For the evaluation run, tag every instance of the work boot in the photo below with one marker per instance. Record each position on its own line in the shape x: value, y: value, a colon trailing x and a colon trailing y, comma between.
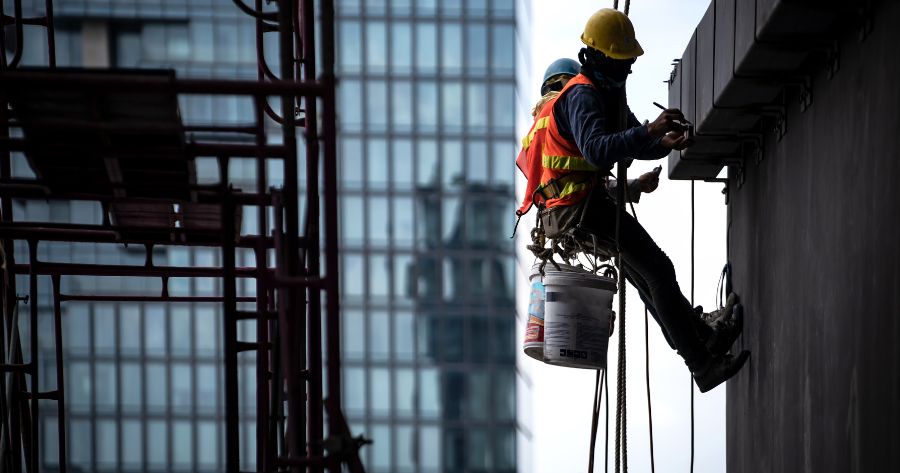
x: 719, y: 369
x: 712, y: 318
x: 726, y: 324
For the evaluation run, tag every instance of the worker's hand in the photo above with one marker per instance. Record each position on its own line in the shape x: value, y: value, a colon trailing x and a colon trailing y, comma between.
x: 676, y: 141
x: 670, y: 120
x: 649, y: 181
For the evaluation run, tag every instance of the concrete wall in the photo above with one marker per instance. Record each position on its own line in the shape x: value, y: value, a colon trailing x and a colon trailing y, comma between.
x: 815, y: 246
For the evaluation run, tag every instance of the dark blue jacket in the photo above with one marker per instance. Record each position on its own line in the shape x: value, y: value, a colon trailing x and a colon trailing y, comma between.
x: 581, y: 115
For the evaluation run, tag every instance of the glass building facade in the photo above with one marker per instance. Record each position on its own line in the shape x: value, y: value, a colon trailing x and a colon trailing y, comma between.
x: 427, y: 115
x: 426, y: 104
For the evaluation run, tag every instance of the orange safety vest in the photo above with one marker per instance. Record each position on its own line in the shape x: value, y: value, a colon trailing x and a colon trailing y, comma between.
x: 557, y: 172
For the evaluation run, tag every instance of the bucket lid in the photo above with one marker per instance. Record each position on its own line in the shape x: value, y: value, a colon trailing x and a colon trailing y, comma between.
x: 584, y: 279
x: 536, y: 268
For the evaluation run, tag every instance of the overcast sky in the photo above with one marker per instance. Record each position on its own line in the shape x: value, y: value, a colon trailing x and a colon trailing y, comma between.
x: 561, y: 397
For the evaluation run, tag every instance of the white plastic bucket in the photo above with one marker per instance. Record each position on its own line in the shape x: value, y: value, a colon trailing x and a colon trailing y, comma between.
x: 533, y: 345
x: 577, y: 309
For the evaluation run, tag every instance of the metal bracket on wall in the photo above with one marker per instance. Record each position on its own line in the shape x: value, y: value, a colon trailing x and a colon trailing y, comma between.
x: 724, y: 189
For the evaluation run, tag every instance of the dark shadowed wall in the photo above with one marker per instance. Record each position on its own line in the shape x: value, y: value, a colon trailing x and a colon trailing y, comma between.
x: 815, y: 246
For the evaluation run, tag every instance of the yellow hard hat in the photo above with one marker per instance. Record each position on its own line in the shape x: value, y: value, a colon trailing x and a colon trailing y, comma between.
x: 611, y: 32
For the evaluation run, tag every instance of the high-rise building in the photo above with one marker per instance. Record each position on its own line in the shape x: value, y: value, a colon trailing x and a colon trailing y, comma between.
x: 427, y: 114
x: 427, y: 118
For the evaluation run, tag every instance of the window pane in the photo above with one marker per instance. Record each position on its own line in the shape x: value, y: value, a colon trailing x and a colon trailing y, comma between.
x: 477, y: 162
x: 426, y: 47
x: 79, y: 385
x: 81, y: 444
x: 349, y: 51
x: 105, y: 385
x: 353, y: 276
x: 503, y: 46
x: 504, y: 394
x: 504, y: 108
x: 430, y: 447
x: 129, y: 329
x: 430, y: 406
x: 350, y: 161
x: 206, y: 441
x: 451, y: 48
x: 157, y: 387
x: 157, y: 444
x: 182, y: 391
x: 404, y: 336
x: 376, y: 105
x: 352, y: 220
x: 353, y: 335
x: 401, y: 47
x: 379, y: 223
x: 453, y: 165
x: 451, y: 107
x: 77, y: 328
x: 354, y: 386
x: 377, y: 166
x: 503, y: 170
x: 381, y: 391
x: 132, y: 451
x: 451, y: 7
x: 376, y: 46
x: 452, y: 217
x: 180, y: 330
x: 381, y: 449
x: 476, y: 110
x: 505, y: 439
x: 350, y: 105
x: 379, y: 335
x: 402, y: 165
x: 401, y: 7
x: 207, y: 388
x: 476, y: 7
x: 132, y: 388
x: 107, y: 444
x: 104, y: 329
x: 406, y: 453
x: 478, y: 450
x: 205, y: 321
x: 402, y: 222
x: 426, y: 7
x: 154, y: 330
x: 406, y: 392
x: 401, y: 106
x: 427, y: 162
x: 379, y: 276
x: 476, y: 53
x: 181, y: 444
x: 427, y: 106
x: 404, y: 275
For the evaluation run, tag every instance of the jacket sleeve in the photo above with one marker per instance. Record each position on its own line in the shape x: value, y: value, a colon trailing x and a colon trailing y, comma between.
x: 581, y: 113
x: 653, y: 150
x: 632, y: 191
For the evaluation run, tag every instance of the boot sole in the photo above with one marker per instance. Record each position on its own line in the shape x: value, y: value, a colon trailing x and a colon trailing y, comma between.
x: 732, y: 370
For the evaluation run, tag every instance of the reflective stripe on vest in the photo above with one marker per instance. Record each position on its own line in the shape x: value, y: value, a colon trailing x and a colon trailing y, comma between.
x: 569, y: 186
x: 540, y: 124
x: 569, y: 163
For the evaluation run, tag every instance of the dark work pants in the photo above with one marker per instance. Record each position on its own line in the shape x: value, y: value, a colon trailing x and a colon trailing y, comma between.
x: 648, y: 268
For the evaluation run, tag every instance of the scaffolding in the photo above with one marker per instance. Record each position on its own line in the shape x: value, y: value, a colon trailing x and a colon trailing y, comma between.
x: 116, y: 137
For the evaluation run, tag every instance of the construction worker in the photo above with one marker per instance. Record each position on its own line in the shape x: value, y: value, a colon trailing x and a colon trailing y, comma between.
x: 578, y: 137
x: 557, y: 75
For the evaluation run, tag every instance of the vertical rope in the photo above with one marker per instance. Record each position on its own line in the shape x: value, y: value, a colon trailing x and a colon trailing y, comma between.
x: 647, y: 373
x: 691, y: 379
x: 616, y: 4
x: 595, y: 416
x: 627, y: 6
x: 606, y: 447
